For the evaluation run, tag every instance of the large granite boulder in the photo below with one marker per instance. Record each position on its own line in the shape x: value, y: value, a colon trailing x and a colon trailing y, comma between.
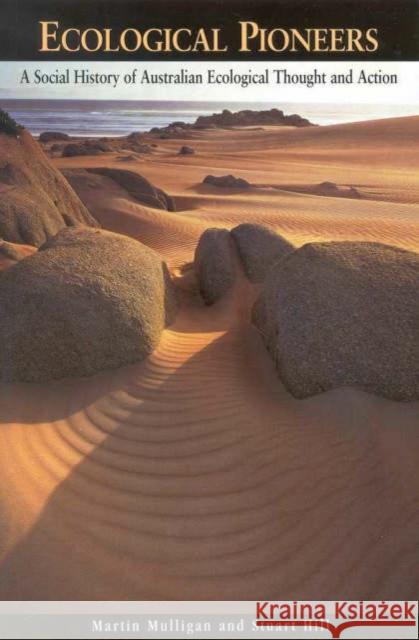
x: 214, y: 264
x: 88, y: 300
x: 344, y: 313
x: 259, y: 248
x: 35, y: 199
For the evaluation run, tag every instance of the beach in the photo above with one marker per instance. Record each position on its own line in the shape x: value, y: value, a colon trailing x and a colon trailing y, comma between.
x: 195, y: 474
x: 121, y: 117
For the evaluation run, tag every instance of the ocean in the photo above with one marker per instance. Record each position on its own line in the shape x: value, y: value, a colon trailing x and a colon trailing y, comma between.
x: 121, y: 117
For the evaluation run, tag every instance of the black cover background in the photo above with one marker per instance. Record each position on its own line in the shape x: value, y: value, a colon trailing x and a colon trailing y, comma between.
x: 397, y: 22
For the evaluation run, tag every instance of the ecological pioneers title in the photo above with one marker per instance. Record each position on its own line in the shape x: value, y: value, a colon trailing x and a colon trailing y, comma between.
x: 251, y: 37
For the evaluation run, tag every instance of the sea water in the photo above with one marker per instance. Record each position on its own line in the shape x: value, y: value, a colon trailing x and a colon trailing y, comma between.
x: 121, y: 117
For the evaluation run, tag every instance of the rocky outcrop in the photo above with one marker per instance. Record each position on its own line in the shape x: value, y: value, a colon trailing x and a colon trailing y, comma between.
x: 86, y: 148
x: 227, y: 119
x: 174, y: 130
x: 248, y: 118
x: 88, y: 300
x: 52, y: 136
x: 333, y: 190
x: 135, y: 136
x: 344, y: 313
x: 186, y: 151
x: 133, y: 142
x: 227, y: 182
x: 138, y: 187
x: 214, y: 264
x: 259, y: 248
x: 35, y: 200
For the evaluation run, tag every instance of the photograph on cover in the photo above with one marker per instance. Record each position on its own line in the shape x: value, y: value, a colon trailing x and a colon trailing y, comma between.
x: 209, y: 342
x: 209, y: 331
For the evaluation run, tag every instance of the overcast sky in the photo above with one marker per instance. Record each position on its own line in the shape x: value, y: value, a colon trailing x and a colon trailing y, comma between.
x: 406, y: 92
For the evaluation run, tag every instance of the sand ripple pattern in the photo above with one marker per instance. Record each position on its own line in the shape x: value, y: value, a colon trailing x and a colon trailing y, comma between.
x: 195, y: 475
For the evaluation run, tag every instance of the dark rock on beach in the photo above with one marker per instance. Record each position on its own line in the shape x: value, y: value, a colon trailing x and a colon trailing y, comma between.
x: 227, y: 119
x: 333, y: 190
x: 227, y: 182
x: 135, y: 136
x: 248, y: 118
x: 86, y: 148
x: 53, y: 136
x: 186, y: 151
x: 173, y: 130
x: 134, y: 142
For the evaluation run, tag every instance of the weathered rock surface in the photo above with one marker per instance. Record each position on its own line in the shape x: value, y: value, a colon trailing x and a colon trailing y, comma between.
x: 214, y: 264
x: 88, y: 300
x: 259, y: 248
x: 344, y: 313
x: 138, y: 187
x: 35, y: 200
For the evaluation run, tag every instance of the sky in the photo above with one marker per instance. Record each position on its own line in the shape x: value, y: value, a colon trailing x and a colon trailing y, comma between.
x: 406, y: 92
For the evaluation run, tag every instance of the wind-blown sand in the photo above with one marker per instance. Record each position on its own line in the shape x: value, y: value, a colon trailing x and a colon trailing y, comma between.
x: 195, y: 475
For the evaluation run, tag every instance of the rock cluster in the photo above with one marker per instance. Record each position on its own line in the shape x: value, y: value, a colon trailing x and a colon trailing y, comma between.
x: 227, y: 119
x: 247, y: 118
x: 86, y: 148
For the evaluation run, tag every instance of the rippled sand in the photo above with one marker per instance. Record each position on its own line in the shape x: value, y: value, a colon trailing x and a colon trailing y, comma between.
x: 195, y: 475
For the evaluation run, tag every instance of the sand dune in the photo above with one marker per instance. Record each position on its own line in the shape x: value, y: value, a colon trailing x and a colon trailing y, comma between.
x: 195, y: 475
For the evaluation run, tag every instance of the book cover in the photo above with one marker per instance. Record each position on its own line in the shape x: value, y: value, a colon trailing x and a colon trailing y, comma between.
x: 209, y: 318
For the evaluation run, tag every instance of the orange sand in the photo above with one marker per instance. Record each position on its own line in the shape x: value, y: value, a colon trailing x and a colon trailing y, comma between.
x: 195, y: 475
